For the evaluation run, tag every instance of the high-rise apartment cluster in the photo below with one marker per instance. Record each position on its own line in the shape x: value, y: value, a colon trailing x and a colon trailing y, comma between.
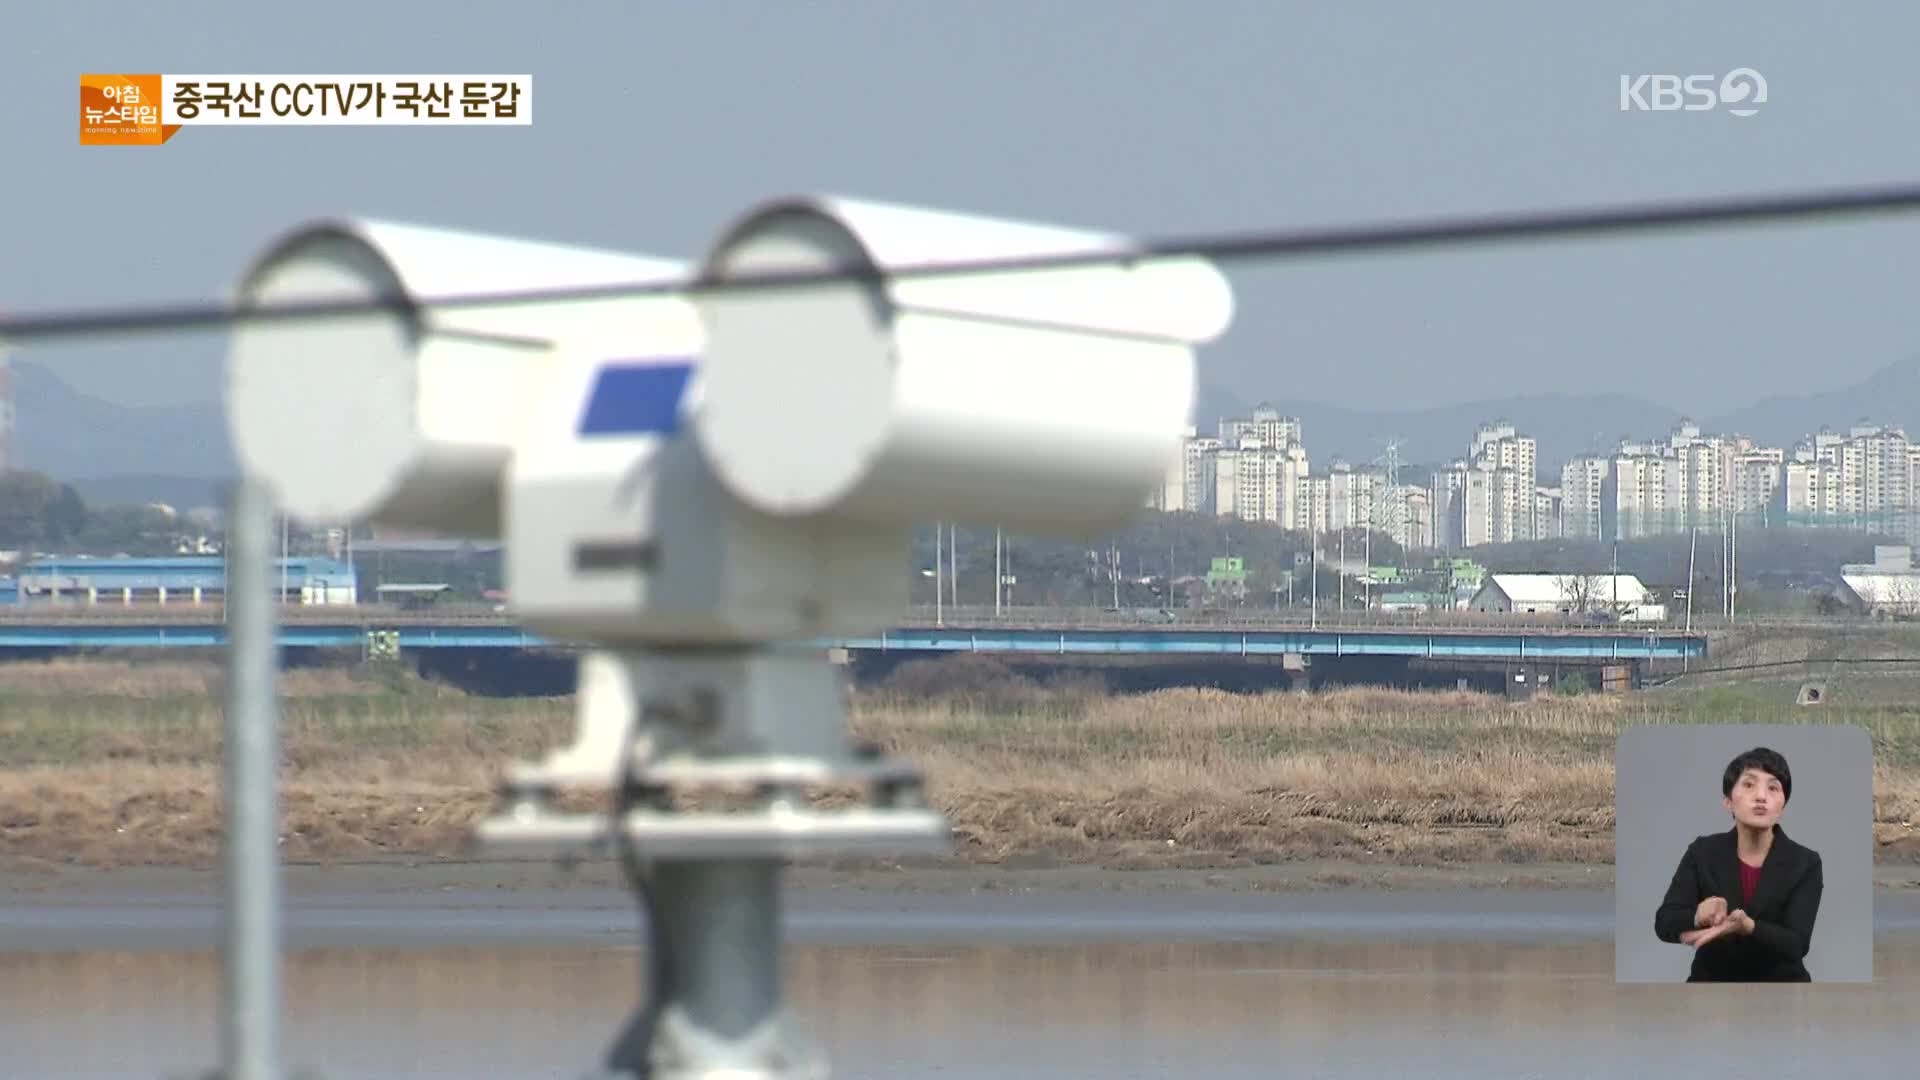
x: 1490, y: 496
x: 1865, y: 478
x: 1256, y: 469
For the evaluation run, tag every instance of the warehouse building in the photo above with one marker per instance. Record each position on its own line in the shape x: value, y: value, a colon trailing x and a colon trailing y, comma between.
x: 175, y: 580
x: 1537, y: 594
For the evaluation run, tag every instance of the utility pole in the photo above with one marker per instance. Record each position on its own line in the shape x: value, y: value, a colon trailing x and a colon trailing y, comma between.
x: 1733, y: 574
x: 1313, y: 600
x: 251, y: 986
x: 1366, y: 583
x: 1693, y: 541
x: 1616, y: 577
x: 999, y: 578
x: 1342, y: 574
x: 939, y: 614
x: 1725, y: 564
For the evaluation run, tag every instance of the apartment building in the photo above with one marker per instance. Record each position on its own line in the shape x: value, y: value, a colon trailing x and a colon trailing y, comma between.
x: 1266, y: 424
x: 1633, y: 498
x: 1582, y: 482
x: 1257, y: 469
x: 1757, y: 476
x: 1170, y: 494
x: 1350, y: 498
x: 1255, y: 481
x: 1410, y: 517
x: 1811, y: 488
x: 1876, y: 475
x: 1463, y: 502
x: 1549, y: 513
x: 1513, y: 459
x: 1197, y: 477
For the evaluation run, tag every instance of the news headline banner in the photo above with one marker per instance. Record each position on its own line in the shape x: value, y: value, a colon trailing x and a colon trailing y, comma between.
x: 147, y: 110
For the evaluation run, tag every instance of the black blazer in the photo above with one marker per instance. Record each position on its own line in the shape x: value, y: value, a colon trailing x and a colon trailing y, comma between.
x: 1784, y: 906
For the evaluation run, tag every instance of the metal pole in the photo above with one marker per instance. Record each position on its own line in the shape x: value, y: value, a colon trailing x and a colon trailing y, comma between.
x: 999, y: 576
x: 719, y: 1012
x: 1616, y: 577
x: 1343, y: 573
x: 1727, y: 573
x: 1693, y: 541
x: 953, y: 564
x: 286, y: 527
x: 939, y: 615
x: 251, y: 1018
x: 1733, y: 572
x: 1009, y: 569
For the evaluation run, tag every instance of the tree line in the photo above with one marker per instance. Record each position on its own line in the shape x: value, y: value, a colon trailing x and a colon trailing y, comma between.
x: 39, y: 514
x: 1158, y: 546
x: 1150, y: 557
x: 1152, y: 550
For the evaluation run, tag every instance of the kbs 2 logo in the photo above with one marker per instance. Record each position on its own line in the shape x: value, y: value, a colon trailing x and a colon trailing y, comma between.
x: 1742, y: 91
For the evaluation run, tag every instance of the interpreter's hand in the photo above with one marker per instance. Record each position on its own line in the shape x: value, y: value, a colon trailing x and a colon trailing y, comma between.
x: 1741, y: 922
x: 1702, y: 938
x: 1711, y: 912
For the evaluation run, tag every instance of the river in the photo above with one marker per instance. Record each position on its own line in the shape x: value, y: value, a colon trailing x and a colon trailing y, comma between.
x: 960, y: 986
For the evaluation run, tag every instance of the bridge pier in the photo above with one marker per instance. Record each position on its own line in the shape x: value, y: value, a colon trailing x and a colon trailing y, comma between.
x: 499, y: 672
x: 1329, y: 671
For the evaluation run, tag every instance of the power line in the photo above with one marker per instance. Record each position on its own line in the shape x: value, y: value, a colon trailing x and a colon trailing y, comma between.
x: 1225, y: 247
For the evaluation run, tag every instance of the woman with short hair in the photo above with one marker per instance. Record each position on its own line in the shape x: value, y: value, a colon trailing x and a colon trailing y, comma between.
x: 1746, y: 899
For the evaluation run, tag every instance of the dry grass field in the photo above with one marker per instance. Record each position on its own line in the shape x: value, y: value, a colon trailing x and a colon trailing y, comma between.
x: 115, y: 763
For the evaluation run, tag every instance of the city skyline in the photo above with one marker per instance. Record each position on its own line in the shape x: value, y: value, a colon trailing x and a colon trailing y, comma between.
x: 1259, y: 468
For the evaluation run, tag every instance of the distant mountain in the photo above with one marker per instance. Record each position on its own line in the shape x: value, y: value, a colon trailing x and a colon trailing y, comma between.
x: 179, y: 454
x: 1561, y: 425
x: 179, y: 492
x: 112, y: 453
x: 1566, y: 425
x: 1888, y: 396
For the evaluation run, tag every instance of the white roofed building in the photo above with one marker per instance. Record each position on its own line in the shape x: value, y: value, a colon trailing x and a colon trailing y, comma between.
x: 1885, y: 594
x: 1537, y: 594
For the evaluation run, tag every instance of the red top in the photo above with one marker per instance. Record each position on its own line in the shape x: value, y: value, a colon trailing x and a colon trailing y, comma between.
x: 1749, y: 880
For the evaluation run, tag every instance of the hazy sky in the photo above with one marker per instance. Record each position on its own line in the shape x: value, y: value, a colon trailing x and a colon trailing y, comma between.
x: 655, y: 123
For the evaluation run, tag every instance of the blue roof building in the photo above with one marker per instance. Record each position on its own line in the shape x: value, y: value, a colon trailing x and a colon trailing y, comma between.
x: 183, y: 578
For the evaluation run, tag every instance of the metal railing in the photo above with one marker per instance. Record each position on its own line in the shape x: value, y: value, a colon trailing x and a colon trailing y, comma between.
x: 206, y: 612
x: 1266, y: 619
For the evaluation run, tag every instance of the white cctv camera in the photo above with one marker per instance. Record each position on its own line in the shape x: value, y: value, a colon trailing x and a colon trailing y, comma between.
x: 748, y: 470
x: 407, y: 415
x: 715, y: 469
x: 696, y: 482
x: 729, y: 465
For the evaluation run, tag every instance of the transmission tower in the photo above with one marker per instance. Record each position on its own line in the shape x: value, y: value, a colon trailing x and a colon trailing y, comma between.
x: 1389, y: 460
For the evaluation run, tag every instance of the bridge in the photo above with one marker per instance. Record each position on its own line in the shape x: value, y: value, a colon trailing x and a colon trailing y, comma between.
x: 1034, y: 632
